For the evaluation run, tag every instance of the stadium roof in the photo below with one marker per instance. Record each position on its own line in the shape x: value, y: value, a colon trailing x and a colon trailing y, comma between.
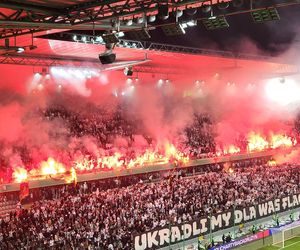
x: 50, y: 20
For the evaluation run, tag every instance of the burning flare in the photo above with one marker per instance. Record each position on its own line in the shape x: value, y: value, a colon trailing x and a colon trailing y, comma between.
x: 256, y: 142
x: 168, y: 153
x: 272, y: 163
x: 52, y: 167
x: 231, y: 149
x: 278, y: 141
x: 20, y: 175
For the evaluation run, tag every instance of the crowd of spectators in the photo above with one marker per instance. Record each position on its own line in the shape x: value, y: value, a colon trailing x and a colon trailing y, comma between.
x: 106, y: 125
x: 97, y: 122
x: 106, y: 214
x: 83, y: 130
x: 200, y: 136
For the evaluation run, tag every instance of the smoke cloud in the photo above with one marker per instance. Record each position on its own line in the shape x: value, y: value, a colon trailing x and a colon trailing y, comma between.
x: 232, y: 95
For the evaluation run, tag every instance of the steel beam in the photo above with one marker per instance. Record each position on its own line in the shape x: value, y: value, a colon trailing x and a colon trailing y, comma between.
x: 140, y: 66
x: 93, y: 4
x: 97, y: 10
x: 199, y: 51
x: 15, y: 32
x: 31, y: 7
x: 132, y: 44
x: 10, y: 24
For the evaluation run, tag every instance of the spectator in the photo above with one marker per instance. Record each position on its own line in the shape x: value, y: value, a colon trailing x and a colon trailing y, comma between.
x: 107, y: 218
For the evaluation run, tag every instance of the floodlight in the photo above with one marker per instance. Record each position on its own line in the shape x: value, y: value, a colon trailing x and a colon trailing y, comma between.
x: 264, y: 15
x: 215, y: 22
x: 191, y: 11
x: 163, y: 11
x: 142, y: 34
x: 178, y: 13
x: 173, y: 29
x: 128, y: 71
x: 151, y: 19
x: 222, y: 5
x: 128, y: 22
x: 206, y: 8
x: 20, y: 50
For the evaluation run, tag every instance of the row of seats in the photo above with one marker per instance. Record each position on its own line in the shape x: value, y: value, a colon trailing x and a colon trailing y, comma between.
x: 6, y: 207
x: 5, y: 203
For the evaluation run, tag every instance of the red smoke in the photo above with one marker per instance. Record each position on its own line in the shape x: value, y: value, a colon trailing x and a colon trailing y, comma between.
x: 234, y: 99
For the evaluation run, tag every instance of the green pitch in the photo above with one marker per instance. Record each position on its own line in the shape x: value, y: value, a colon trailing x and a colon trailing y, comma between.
x: 292, y: 244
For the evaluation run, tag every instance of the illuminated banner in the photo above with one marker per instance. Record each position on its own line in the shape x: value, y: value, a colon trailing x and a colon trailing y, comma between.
x: 174, y: 233
x: 285, y: 227
x: 243, y: 241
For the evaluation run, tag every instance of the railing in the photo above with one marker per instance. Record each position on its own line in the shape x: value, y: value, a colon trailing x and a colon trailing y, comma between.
x: 100, y: 174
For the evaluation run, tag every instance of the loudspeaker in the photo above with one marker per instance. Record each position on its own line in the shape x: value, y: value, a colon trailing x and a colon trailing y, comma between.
x: 107, y: 57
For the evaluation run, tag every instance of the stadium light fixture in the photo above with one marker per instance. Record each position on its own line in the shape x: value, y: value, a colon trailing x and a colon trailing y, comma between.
x: 173, y: 29
x: 129, y: 22
x: 84, y: 39
x: 40, y: 86
x: 142, y: 34
x: 184, y: 25
x: 121, y: 34
x: 139, y: 20
x: 151, y: 19
x: 178, y: 13
x: 163, y: 11
x: 20, y: 50
x: 99, y: 39
x: 265, y: 15
x: 128, y: 71
x: 215, y: 22
x: 206, y: 8
x: 191, y: 23
x: 160, y: 83
x: 222, y: 5
x: 190, y: 11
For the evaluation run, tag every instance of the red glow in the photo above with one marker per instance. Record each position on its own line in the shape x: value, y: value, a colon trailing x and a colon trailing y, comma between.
x: 257, y: 142
x: 281, y: 141
x: 20, y: 175
x: 51, y: 167
x: 232, y: 149
x: 169, y: 154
